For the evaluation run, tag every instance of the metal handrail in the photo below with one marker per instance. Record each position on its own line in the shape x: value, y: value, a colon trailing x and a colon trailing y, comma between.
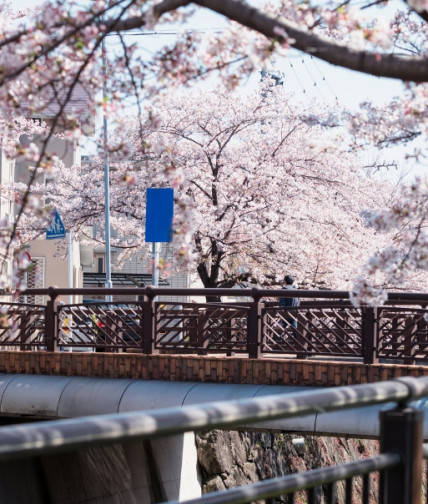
x: 61, y: 435
x: 254, y: 293
x: 57, y: 436
x: 294, y: 482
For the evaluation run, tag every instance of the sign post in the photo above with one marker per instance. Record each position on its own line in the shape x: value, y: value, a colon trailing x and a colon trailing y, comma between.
x: 159, y: 215
x: 56, y: 231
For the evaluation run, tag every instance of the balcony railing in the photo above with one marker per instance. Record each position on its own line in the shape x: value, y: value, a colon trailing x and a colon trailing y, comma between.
x: 251, y: 322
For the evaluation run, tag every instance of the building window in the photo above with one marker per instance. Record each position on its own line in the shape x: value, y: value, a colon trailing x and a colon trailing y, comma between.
x: 35, y: 278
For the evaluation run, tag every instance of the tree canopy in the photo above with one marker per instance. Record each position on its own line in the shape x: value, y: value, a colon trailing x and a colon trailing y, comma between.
x: 264, y: 192
x: 56, y: 63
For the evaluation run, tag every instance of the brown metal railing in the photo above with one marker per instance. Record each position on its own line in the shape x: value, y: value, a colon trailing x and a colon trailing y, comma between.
x: 396, y: 471
x: 325, y: 324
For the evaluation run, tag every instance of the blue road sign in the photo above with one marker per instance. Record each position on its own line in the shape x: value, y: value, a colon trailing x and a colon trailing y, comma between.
x: 159, y: 214
x: 56, y: 230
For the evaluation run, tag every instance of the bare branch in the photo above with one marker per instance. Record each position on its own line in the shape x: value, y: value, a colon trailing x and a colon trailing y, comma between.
x: 406, y: 68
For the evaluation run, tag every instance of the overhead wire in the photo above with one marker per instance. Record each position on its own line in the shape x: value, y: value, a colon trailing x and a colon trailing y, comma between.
x: 298, y: 80
x: 315, y: 84
x: 309, y: 80
x: 324, y: 78
x: 295, y: 72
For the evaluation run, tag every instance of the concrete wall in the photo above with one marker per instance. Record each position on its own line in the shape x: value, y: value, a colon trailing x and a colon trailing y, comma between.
x: 56, y: 271
x: 136, y: 473
x: 143, y: 471
x: 7, y: 172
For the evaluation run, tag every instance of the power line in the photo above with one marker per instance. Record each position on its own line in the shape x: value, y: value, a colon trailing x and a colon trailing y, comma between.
x: 298, y: 80
x: 323, y: 78
x: 313, y: 80
x: 217, y: 30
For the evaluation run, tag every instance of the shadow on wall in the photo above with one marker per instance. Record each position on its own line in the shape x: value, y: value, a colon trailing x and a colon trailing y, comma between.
x: 132, y: 473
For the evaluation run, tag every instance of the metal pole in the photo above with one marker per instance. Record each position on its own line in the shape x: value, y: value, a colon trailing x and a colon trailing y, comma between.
x: 26, y: 285
x: 70, y: 264
x: 108, y: 282
x: 254, y: 329
x: 369, y: 316
x: 155, y: 256
x: 401, y: 432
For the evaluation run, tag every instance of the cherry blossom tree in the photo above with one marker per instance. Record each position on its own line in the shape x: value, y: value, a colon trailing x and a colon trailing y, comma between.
x: 406, y: 254
x: 59, y: 50
x: 265, y: 193
x: 45, y: 58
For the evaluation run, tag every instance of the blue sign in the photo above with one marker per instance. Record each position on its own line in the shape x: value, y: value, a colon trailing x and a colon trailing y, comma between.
x: 56, y: 230
x: 159, y: 214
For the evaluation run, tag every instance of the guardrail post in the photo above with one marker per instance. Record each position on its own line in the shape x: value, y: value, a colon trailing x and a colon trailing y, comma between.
x: 410, y: 339
x: 147, y: 322
x: 303, y: 334
x: 401, y: 431
x: 254, y: 326
x: 202, y: 328
x: 23, y: 330
x: 51, y: 322
x: 368, y: 334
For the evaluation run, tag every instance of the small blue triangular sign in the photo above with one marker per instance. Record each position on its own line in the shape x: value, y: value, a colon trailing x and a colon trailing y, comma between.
x: 56, y: 230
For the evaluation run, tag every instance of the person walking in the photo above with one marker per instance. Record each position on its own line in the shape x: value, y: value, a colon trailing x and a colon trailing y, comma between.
x: 289, y: 302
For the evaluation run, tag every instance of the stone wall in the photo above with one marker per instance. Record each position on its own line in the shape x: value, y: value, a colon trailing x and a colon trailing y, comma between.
x: 229, y: 458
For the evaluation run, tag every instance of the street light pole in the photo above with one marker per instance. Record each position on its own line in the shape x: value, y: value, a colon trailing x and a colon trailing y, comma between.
x: 70, y: 264
x: 108, y: 282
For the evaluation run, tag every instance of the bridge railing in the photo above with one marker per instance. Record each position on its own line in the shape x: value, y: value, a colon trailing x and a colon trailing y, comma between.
x: 250, y: 322
x: 397, y: 470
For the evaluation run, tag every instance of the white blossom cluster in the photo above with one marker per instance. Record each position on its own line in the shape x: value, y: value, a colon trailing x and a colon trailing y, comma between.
x: 261, y: 187
x: 407, y: 253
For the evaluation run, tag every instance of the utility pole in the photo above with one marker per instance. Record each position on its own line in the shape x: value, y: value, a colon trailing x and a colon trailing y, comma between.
x: 108, y: 282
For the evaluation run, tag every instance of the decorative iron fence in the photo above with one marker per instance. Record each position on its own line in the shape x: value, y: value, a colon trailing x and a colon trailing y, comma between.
x: 311, y: 329
x: 325, y: 324
x: 22, y: 326
x: 204, y: 328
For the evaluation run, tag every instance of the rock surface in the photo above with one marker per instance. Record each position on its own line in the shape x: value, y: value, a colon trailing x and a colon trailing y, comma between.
x: 230, y: 458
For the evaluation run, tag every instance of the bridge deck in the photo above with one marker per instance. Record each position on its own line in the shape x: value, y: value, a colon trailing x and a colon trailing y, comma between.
x: 220, y: 369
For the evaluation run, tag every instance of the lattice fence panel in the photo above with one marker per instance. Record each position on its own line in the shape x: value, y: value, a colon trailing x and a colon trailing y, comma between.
x: 22, y: 326
x: 402, y: 334
x: 201, y: 327
x: 312, y: 330
x: 107, y: 326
